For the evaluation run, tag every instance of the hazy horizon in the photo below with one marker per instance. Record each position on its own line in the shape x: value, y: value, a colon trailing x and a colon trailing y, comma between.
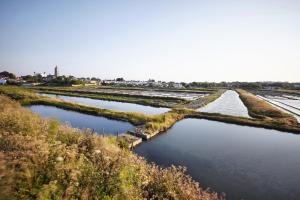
x: 163, y: 40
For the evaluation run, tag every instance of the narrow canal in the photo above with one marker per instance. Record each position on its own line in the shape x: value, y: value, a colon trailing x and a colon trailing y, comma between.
x: 244, y: 162
x: 78, y: 120
x: 111, y: 105
x: 229, y: 103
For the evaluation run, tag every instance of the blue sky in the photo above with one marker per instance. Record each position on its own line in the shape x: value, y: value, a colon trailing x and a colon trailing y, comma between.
x: 252, y: 40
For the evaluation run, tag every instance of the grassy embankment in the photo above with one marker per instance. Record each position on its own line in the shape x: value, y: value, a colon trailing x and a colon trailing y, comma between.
x: 153, y: 123
x: 264, y: 115
x: 26, y: 97
x: 192, y: 90
x: 268, y: 124
x: 169, y: 102
x: 41, y: 159
x: 205, y: 100
x: 157, y: 123
x: 165, y: 121
x: 260, y: 109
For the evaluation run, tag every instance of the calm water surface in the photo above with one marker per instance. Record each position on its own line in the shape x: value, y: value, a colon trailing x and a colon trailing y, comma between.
x: 182, y: 95
x: 111, y: 105
x: 228, y: 103
x: 79, y: 120
x: 244, y: 162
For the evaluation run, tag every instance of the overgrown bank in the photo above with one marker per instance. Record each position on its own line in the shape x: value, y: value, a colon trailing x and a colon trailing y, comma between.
x: 198, y: 103
x: 260, y: 123
x: 26, y: 97
x: 155, y: 124
x: 41, y: 159
x: 260, y: 109
x: 120, y: 97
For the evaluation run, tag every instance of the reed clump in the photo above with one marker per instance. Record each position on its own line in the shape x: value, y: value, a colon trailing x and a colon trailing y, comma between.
x: 163, y: 122
x: 42, y: 159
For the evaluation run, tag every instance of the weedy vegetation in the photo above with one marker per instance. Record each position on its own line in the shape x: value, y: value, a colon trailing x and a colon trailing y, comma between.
x: 121, y: 97
x: 259, y: 108
x: 43, y: 159
x: 153, y: 123
x: 264, y: 115
x: 204, y: 100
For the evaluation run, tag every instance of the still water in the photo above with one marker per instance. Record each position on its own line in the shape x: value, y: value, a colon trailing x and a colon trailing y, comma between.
x: 78, y: 120
x: 244, y: 162
x: 228, y: 103
x: 111, y: 105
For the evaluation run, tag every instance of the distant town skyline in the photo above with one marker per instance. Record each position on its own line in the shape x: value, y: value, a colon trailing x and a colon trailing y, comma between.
x: 165, y: 40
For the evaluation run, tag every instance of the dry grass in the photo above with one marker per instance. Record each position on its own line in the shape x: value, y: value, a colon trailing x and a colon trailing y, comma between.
x: 153, y: 123
x: 27, y: 97
x: 268, y: 123
x: 258, y: 108
x: 41, y: 159
x: 266, y: 115
x: 204, y: 100
x: 94, y: 94
x: 161, y: 123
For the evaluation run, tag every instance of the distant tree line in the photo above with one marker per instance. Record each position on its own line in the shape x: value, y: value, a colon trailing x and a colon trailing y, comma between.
x: 244, y: 85
x: 63, y: 80
x: 32, y: 79
x: 71, y: 80
x: 6, y: 74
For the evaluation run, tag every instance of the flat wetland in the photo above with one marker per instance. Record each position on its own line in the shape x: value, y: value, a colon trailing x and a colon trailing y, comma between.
x: 111, y: 105
x: 233, y: 157
x: 167, y: 93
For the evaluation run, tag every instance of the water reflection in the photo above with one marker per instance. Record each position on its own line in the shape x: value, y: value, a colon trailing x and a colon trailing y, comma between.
x: 244, y: 162
x: 99, y: 124
x: 228, y: 103
x: 111, y: 105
